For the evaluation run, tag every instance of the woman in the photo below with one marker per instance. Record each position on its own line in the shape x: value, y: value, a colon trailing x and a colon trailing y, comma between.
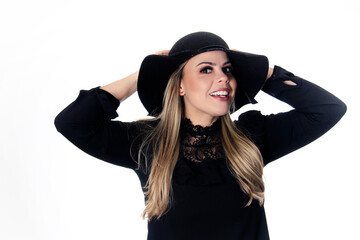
x: 201, y: 173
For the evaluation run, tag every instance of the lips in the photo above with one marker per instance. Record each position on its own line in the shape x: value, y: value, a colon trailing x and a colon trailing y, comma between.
x: 221, y: 94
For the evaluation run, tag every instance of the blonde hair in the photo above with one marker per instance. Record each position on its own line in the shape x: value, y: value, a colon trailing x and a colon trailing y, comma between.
x: 243, y: 157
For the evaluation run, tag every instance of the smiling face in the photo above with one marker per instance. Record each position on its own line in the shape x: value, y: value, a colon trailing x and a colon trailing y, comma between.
x: 208, y: 87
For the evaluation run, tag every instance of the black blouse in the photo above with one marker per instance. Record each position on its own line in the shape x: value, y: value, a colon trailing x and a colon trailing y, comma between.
x: 208, y: 202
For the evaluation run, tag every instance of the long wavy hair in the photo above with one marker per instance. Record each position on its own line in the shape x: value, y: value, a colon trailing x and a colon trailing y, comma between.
x: 162, y: 145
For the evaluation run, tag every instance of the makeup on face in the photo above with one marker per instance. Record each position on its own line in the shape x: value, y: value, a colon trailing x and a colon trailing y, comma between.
x: 208, y: 85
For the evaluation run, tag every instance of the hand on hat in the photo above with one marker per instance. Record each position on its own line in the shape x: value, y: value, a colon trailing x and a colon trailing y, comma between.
x: 163, y: 52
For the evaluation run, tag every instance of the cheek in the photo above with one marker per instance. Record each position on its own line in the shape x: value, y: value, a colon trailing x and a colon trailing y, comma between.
x: 195, y: 85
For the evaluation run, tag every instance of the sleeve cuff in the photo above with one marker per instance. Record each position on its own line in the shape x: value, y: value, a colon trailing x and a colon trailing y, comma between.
x: 275, y: 84
x: 108, y: 102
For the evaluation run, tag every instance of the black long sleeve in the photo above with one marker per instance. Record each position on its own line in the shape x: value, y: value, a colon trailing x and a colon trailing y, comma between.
x: 315, y: 112
x: 87, y: 123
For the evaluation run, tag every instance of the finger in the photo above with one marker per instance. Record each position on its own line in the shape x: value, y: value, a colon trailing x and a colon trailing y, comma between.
x: 163, y: 52
x: 235, y: 50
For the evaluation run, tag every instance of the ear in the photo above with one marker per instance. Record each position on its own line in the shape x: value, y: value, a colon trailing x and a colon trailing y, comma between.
x: 181, y: 92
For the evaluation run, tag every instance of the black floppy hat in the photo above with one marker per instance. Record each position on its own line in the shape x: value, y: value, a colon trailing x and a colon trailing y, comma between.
x: 250, y: 70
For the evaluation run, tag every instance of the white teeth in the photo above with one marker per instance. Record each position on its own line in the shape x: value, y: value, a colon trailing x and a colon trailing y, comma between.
x: 220, y: 93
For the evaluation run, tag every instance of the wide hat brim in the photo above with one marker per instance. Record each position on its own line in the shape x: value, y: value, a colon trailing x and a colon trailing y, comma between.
x: 250, y: 72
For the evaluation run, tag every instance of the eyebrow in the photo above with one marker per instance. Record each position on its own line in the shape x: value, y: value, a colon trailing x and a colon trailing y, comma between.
x: 212, y: 64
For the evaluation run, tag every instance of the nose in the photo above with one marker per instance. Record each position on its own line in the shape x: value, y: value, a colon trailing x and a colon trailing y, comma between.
x: 222, y: 77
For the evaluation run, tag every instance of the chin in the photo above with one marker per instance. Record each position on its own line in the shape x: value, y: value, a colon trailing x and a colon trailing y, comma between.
x: 221, y: 110
x: 220, y: 113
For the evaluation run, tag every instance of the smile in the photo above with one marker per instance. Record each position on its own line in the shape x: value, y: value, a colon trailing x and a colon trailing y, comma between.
x: 220, y: 93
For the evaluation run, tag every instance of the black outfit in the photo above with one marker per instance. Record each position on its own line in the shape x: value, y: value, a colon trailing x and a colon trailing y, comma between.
x: 208, y: 202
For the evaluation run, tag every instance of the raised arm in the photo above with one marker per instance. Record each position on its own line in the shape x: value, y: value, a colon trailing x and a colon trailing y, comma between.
x: 315, y: 112
x: 87, y: 122
x: 123, y: 88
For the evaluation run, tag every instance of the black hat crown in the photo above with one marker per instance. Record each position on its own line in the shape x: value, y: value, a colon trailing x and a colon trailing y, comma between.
x: 196, y: 43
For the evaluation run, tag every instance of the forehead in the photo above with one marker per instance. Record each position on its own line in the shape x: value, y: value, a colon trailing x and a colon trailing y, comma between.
x: 212, y: 56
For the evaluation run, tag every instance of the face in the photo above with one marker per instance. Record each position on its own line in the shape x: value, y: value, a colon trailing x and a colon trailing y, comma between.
x: 208, y: 87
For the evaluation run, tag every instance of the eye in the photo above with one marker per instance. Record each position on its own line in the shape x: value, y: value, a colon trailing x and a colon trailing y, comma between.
x: 206, y: 70
x: 228, y: 69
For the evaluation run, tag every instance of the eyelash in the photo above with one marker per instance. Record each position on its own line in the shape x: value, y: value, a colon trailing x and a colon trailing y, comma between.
x: 205, y: 69
x: 227, y: 69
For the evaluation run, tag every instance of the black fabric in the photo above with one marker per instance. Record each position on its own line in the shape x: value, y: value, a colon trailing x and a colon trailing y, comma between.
x: 208, y: 202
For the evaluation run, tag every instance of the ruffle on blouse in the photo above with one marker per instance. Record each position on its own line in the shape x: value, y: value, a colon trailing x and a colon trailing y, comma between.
x: 197, y: 130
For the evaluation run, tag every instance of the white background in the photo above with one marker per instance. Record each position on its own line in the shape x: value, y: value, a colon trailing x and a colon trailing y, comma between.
x: 49, y: 50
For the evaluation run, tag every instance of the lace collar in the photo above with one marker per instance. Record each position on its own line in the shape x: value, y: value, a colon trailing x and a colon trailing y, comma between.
x: 196, y: 130
x: 198, y: 143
